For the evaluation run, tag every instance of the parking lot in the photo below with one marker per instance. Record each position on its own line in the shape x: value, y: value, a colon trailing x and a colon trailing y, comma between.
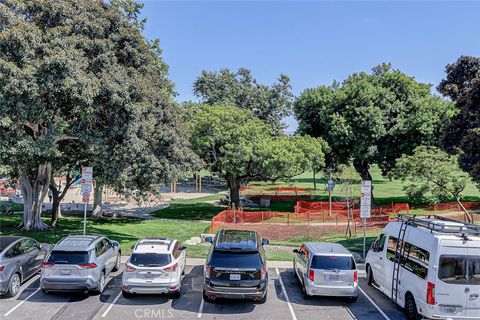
x: 284, y: 301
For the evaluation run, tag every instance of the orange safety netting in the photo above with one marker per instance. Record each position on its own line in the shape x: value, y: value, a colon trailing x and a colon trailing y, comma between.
x: 291, y: 226
x: 454, y: 206
x: 321, y: 207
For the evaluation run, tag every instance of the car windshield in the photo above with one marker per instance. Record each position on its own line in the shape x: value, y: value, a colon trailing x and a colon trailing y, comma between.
x: 225, y: 259
x: 150, y: 259
x: 67, y: 257
x: 333, y: 262
x: 459, y: 269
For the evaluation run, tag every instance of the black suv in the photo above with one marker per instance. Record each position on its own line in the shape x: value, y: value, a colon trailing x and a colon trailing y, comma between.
x: 236, y: 267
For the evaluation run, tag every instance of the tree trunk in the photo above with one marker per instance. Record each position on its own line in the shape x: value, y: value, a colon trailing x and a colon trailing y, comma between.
x: 56, y: 212
x: 362, y: 167
x: 468, y: 216
x: 314, y: 181
x: 97, y: 196
x: 234, y: 186
x: 33, y: 197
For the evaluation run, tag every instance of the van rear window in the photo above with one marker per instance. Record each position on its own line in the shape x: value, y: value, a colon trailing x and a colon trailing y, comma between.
x: 68, y: 257
x: 332, y: 262
x: 459, y: 269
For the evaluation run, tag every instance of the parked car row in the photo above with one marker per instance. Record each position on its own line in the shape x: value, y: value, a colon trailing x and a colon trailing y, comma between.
x: 428, y: 266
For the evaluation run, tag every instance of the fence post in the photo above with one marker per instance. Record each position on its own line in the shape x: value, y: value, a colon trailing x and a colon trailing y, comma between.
x: 288, y: 218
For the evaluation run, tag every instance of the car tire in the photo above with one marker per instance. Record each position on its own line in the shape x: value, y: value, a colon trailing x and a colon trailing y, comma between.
x: 306, y: 296
x: 370, y: 279
x: 126, y: 294
x: 352, y: 299
x: 101, y: 283
x: 45, y: 292
x: 14, y: 285
x: 411, y: 311
x: 176, y: 294
x: 263, y: 299
x: 117, y: 263
x: 207, y: 298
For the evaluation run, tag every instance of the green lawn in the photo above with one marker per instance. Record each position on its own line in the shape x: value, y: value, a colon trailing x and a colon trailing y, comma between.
x: 14, y: 206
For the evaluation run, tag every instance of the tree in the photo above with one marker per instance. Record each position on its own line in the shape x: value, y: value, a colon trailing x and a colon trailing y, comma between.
x: 350, y: 191
x: 314, y: 150
x: 269, y: 103
x: 238, y: 146
x: 461, y: 134
x: 79, y: 84
x: 431, y: 174
x: 372, y: 118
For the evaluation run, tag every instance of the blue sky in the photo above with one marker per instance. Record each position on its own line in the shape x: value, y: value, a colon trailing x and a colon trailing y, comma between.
x: 313, y: 42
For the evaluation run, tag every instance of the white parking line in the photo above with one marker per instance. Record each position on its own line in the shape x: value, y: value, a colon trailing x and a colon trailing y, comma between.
x: 22, y: 302
x: 111, y: 304
x: 374, y: 304
x: 200, y: 310
x: 285, y: 294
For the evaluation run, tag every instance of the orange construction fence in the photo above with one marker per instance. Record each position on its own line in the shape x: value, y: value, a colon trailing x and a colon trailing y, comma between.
x: 321, y: 207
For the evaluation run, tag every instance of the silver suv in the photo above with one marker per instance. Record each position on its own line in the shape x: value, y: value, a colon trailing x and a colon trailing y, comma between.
x: 155, y: 266
x: 80, y: 263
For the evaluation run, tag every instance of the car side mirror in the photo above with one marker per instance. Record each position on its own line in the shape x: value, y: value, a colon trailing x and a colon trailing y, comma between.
x: 209, y: 239
x: 182, y: 248
x: 265, y: 242
x: 373, y: 245
x: 295, y: 251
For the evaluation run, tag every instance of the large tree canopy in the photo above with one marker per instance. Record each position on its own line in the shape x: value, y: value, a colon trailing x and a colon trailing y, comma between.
x: 269, y: 103
x: 79, y: 84
x: 462, y: 133
x: 372, y: 118
x: 238, y: 146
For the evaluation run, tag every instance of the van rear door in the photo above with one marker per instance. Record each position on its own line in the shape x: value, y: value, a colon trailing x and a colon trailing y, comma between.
x: 450, y: 295
x: 333, y: 270
x: 473, y: 287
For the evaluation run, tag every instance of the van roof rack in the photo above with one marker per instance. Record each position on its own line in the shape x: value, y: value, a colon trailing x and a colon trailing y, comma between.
x: 436, y: 223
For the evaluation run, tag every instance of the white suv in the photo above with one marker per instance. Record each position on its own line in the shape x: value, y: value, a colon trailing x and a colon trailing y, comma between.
x: 155, y: 266
x: 429, y: 266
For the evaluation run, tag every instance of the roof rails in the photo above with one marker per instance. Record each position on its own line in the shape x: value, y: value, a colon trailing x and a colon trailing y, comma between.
x: 434, y: 224
x: 170, y: 241
x: 95, y: 237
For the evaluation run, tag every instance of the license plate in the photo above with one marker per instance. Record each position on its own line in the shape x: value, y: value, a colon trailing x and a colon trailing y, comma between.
x: 449, y: 309
x: 65, y: 272
x: 235, y: 276
x: 149, y: 276
x: 334, y: 277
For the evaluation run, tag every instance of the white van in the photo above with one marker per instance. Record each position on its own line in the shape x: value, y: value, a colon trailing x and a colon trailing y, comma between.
x: 433, y: 271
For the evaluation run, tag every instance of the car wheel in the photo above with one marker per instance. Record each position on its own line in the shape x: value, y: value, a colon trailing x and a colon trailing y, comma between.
x: 45, y: 291
x: 306, y: 296
x: 117, y: 263
x: 353, y: 298
x: 411, y: 308
x: 127, y: 294
x: 263, y: 299
x: 370, y: 279
x: 14, y: 285
x: 176, y: 294
x: 207, y: 298
x: 101, y: 283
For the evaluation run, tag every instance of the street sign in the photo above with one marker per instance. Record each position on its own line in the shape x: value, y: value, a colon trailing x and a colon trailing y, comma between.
x: 86, y: 183
x: 365, y: 199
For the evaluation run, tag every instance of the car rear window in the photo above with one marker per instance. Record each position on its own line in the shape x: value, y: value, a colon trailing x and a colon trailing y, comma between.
x: 227, y: 259
x: 459, y: 269
x: 68, y: 257
x: 332, y: 262
x: 150, y: 259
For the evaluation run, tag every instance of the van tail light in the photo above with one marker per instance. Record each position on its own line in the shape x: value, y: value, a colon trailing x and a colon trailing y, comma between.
x: 207, y: 272
x: 87, y: 265
x: 1, y: 269
x: 172, y: 268
x: 130, y: 268
x: 355, y: 277
x: 263, y: 273
x: 430, y: 293
x: 46, y: 265
x: 311, y: 275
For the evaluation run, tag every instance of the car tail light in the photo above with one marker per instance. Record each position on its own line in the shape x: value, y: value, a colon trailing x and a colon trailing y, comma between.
x: 311, y: 275
x: 355, y: 276
x: 46, y: 264
x: 263, y: 273
x: 430, y: 293
x: 1, y: 269
x: 129, y: 268
x: 87, y: 265
x: 172, y: 268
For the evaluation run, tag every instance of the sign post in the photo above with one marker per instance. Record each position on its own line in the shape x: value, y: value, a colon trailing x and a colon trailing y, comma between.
x: 365, y: 207
x: 86, y: 182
